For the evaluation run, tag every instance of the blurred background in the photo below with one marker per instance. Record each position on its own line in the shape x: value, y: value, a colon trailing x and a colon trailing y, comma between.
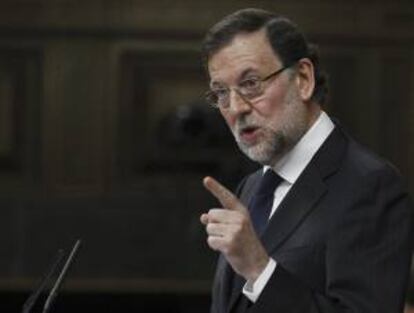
x: 104, y: 136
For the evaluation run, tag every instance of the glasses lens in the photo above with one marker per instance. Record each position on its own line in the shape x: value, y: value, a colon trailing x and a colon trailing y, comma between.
x: 250, y: 88
x: 211, y: 98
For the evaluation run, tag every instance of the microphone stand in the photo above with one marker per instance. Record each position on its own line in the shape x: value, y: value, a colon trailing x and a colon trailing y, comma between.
x: 53, y: 293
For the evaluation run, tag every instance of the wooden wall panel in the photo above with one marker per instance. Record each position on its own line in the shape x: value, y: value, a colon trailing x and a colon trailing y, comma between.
x: 75, y: 101
x: 395, y: 107
x: 8, y: 116
x: 20, y: 98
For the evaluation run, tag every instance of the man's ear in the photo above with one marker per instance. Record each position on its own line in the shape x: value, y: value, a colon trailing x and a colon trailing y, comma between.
x: 305, y: 79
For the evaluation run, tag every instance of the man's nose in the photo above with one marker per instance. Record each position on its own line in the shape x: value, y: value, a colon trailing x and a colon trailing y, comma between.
x: 238, y: 103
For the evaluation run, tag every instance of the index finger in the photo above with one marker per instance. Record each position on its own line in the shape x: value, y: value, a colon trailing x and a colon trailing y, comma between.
x: 225, y: 196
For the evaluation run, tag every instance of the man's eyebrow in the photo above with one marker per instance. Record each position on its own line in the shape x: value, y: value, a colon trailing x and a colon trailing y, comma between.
x: 214, y: 83
x: 244, y: 73
x: 247, y: 72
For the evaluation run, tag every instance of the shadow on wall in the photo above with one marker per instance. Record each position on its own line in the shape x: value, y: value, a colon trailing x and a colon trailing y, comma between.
x: 195, y: 138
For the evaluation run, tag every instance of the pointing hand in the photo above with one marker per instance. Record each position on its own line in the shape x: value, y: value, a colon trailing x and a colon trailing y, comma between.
x: 231, y: 232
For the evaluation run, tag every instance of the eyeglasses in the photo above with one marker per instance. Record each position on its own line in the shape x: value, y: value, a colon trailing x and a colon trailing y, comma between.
x: 248, y: 89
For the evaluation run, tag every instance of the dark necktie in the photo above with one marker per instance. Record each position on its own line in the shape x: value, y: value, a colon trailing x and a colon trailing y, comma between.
x: 262, y: 201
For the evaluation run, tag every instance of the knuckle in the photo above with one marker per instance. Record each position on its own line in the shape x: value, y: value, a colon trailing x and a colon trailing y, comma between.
x: 209, y: 227
x: 223, y: 244
x: 211, y: 242
x: 214, y: 212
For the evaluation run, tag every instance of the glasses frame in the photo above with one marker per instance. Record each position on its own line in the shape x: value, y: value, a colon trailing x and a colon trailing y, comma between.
x: 210, y: 95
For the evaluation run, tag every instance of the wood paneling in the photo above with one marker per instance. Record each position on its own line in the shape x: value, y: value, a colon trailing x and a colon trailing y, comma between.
x: 20, y: 98
x: 395, y: 108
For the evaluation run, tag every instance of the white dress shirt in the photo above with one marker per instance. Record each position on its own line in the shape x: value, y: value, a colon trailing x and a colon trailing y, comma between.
x: 289, y: 168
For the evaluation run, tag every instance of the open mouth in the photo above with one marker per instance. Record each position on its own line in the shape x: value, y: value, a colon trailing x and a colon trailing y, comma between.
x: 249, y: 133
x: 248, y: 130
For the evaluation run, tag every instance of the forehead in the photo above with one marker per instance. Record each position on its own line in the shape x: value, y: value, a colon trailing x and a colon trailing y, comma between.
x: 246, y: 52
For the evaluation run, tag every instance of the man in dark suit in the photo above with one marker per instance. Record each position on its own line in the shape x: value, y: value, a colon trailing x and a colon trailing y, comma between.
x: 325, y: 226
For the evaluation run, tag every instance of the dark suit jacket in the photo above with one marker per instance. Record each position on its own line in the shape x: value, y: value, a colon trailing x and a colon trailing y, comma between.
x: 341, y: 239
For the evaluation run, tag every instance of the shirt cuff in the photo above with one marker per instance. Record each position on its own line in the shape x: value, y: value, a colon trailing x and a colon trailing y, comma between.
x: 252, y: 290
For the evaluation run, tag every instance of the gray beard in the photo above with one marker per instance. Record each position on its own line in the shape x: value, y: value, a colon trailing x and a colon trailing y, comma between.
x: 275, y: 143
x: 269, y: 151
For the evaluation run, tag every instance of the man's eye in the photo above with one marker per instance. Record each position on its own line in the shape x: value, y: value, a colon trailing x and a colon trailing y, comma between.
x: 221, y: 93
x: 250, y: 83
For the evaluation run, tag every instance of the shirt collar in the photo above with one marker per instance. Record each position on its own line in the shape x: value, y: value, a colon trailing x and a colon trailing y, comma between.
x: 295, y: 161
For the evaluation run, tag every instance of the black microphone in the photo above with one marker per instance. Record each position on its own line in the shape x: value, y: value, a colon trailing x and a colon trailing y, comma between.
x: 28, y: 305
x: 53, y: 293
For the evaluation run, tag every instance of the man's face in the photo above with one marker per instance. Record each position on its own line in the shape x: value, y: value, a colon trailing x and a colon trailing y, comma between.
x: 269, y: 125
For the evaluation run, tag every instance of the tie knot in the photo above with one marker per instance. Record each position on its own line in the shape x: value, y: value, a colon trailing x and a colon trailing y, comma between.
x: 269, y: 182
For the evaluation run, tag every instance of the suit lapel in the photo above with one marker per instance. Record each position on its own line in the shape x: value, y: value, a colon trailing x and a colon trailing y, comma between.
x: 300, y: 200
x: 306, y: 192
